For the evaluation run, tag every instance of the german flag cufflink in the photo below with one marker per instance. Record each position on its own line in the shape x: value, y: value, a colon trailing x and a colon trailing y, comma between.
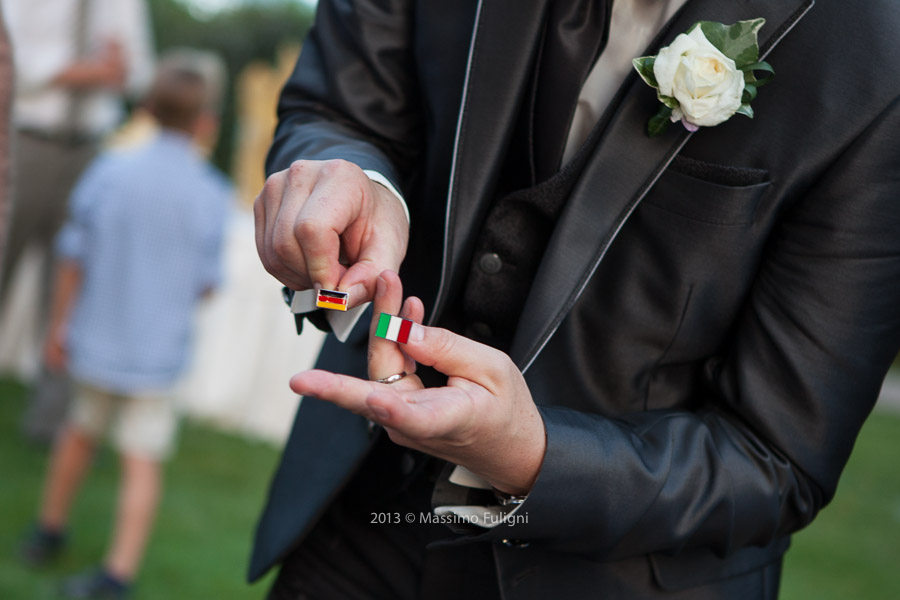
x: 332, y: 299
x: 395, y: 329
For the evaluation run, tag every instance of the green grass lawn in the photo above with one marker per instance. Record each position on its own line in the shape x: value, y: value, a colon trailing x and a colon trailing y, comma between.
x: 852, y: 550
x: 216, y: 484
x: 215, y: 487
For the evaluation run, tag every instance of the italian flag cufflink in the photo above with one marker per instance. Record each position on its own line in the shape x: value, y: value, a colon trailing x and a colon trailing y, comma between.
x: 395, y: 329
x: 332, y: 299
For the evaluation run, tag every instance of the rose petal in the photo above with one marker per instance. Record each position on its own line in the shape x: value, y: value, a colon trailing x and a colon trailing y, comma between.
x: 668, y: 60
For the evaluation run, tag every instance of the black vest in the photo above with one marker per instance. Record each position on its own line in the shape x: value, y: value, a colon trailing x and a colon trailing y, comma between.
x: 511, y: 245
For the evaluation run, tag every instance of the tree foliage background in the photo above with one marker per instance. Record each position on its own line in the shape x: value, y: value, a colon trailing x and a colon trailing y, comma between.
x: 252, y: 31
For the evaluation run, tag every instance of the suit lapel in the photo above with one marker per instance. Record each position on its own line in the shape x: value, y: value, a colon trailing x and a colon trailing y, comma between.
x: 615, y: 181
x: 500, y: 57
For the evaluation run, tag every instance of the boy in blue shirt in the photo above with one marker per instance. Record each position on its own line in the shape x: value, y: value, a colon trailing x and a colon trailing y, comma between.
x: 141, y: 247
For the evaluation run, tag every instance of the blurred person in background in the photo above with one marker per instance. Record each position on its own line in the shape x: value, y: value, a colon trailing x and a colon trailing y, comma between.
x: 6, y: 90
x: 74, y: 61
x: 142, y: 245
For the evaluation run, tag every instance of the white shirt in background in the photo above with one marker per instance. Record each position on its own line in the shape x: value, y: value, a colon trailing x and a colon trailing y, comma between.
x: 43, y: 38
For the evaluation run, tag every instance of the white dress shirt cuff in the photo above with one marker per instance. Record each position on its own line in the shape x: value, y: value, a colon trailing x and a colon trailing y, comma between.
x: 482, y: 516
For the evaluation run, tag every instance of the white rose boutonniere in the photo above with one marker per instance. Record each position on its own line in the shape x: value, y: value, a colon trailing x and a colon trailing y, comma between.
x: 706, y: 75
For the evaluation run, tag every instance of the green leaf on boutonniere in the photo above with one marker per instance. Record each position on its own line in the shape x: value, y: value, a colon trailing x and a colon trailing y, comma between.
x: 749, y: 93
x: 752, y: 84
x: 750, y: 75
x: 667, y: 100
x: 644, y: 67
x: 660, y: 121
x: 745, y: 110
x: 738, y: 42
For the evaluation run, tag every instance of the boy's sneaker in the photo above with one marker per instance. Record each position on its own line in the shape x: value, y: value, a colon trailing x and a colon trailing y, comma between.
x: 41, y: 546
x: 96, y: 584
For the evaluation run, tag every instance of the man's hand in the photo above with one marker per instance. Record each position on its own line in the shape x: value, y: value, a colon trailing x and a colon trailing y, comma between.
x: 484, y: 419
x: 107, y: 69
x: 326, y: 223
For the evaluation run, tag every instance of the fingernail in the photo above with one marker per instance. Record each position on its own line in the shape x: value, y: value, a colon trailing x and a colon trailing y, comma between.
x: 416, y: 333
x: 380, y: 287
x: 404, y: 309
x: 380, y: 413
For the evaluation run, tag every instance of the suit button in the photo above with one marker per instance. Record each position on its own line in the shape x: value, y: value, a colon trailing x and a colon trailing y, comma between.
x: 514, y: 543
x: 490, y: 263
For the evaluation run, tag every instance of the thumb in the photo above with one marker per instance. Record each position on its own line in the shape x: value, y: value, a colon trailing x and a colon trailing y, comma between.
x: 458, y: 356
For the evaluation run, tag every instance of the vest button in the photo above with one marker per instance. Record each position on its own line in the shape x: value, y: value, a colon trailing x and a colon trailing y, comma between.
x: 490, y: 263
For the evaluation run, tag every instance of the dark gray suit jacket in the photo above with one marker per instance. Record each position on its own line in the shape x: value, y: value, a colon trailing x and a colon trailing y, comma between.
x: 714, y: 314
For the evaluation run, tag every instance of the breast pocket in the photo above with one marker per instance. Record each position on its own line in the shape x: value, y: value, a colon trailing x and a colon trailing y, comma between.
x: 709, y: 193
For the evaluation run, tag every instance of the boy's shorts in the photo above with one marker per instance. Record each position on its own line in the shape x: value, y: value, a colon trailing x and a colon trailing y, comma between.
x: 141, y: 424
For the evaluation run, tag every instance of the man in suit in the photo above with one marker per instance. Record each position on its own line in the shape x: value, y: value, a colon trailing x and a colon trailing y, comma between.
x: 653, y: 354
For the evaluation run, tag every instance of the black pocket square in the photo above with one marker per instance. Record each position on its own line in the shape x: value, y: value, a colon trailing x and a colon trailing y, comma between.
x: 720, y: 174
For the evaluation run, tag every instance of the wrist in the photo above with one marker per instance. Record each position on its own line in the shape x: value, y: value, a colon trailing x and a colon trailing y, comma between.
x: 512, y: 466
x: 380, y: 179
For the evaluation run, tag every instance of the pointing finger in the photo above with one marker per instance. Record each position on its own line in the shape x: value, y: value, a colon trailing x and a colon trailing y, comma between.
x: 385, y: 357
x: 345, y: 391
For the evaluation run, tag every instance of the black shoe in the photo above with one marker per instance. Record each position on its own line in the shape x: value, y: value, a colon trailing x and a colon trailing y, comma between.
x: 41, y: 547
x: 96, y: 584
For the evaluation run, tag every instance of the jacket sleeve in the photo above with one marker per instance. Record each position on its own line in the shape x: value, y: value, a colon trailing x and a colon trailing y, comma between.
x: 357, y: 101
x: 783, y: 402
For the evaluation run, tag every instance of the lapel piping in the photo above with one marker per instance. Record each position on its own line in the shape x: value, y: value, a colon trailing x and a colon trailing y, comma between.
x: 584, y: 234
x: 785, y: 29
x: 504, y: 40
x: 445, y: 264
